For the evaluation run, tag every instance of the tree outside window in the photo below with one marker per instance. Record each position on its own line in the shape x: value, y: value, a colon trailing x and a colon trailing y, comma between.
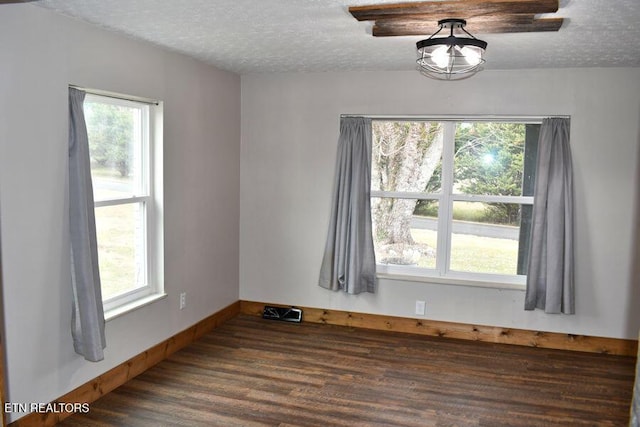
x: 453, y: 197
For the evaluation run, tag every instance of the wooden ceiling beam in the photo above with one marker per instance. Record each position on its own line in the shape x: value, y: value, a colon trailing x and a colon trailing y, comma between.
x: 450, y: 8
x: 396, y: 27
x: 431, y: 17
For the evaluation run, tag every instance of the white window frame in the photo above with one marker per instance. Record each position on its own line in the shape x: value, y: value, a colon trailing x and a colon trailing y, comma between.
x: 442, y: 272
x: 150, y: 199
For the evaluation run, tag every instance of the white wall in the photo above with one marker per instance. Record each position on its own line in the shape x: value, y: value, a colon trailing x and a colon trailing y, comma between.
x: 42, y: 53
x: 290, y: 125
x: 280, y: 197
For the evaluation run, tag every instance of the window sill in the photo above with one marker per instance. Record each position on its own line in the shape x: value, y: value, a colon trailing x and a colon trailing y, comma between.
x: 456, y: 281
x: 133, y: 305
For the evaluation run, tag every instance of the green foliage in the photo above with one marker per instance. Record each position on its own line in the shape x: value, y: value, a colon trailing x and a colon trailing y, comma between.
x: 462, y: 211
x: 110, y: 131
x: 427, y: 208
x: 489, y: 160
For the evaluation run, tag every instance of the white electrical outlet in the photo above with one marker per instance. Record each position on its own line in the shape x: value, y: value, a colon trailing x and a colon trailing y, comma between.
x: 183, y: 300
x: 421, y: 307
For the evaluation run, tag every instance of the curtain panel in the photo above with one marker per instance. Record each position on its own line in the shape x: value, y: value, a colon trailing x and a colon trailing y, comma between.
x: 349, y: 261
x: 87, y: 317
x: 550, y: 284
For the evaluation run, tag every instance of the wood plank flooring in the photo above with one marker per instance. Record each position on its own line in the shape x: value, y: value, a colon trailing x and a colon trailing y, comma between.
x: 255, y: 372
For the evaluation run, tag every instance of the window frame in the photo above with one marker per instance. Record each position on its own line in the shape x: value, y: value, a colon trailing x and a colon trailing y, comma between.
x: 149, y: 199
x: 442, y: 273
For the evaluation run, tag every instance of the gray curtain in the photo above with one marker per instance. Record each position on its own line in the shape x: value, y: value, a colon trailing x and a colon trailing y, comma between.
x: 87, y: 316
x: 550, y: 274
x: 349, y: 261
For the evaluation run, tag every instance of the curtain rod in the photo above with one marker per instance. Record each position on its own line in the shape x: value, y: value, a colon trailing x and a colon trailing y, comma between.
x: 115, y: 95
x: 456, y: 117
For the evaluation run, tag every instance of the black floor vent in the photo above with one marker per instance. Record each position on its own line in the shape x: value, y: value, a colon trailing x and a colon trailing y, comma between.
x: 286, y: 314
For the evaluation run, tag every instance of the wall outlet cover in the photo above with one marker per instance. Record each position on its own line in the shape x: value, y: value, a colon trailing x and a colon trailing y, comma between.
x: 421, y: 307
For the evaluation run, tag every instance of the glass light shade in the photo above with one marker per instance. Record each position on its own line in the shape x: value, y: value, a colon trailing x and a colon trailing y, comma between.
x: 440, y: 56
x: 472, y: 54
x: 453, y: 57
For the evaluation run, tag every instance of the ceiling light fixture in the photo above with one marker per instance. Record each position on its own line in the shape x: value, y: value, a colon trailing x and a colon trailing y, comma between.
x: 458, y: 56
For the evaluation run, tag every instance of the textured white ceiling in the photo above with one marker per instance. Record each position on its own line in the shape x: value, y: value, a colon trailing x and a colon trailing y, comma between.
x: 253, y: 36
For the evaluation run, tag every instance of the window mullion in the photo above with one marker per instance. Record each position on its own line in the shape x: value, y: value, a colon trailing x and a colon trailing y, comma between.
x: 123, y: 201
x: 405, y: 195
x: 445, y: 207
x: 523, y: 200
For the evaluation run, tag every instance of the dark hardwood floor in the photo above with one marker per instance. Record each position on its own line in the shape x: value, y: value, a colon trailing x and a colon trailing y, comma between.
x: 255, y: 372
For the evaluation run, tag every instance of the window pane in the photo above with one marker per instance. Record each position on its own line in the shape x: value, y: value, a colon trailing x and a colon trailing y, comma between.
x: 488, y: 238
x: 115, y: 145
x: 406, y: 156
x: 121, y: 249
x: 405, y: 231
x: 490, y: 159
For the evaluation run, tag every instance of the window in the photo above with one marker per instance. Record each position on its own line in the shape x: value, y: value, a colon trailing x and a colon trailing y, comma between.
x: 453, y: 199
x: 127, y: 196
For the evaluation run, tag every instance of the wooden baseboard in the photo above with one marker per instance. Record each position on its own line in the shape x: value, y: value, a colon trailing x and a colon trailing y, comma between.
x: 94, y: 389
x: 491, y: 334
